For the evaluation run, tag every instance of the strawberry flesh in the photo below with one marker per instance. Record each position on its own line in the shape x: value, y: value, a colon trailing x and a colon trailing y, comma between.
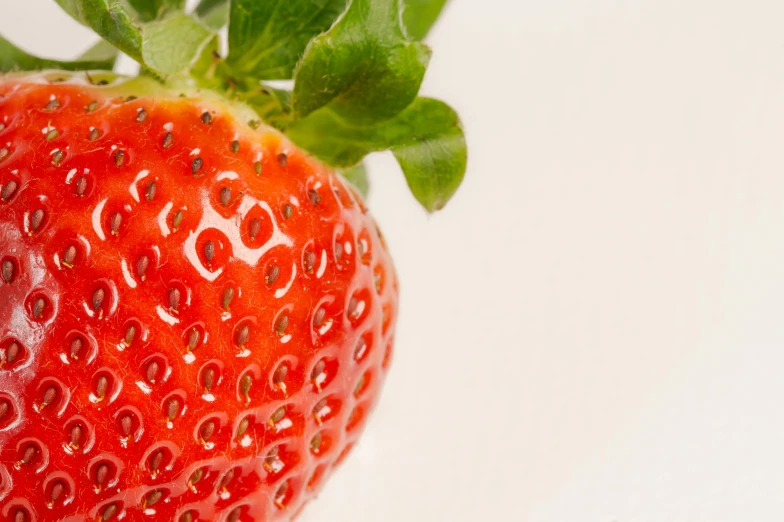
x: 195, y: 317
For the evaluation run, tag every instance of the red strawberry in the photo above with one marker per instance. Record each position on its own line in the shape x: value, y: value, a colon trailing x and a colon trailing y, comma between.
x: 170, y: 313
x: 196, y: 315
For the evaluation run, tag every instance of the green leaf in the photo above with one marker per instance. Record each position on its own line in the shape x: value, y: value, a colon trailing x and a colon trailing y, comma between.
x: 174, y: 44
x: 110, y: 20
x: 165, y: 47
x: 420, y: 15
x: 213, y: 13
x: 357, y: 176
x: 149, y: 10
x: 267, y: 37
x: 202, y: 69
x: 434, y: 168
x: 103, y: 52
x: 426, y: 138
x: 363, y: 67
x: 13, y: 58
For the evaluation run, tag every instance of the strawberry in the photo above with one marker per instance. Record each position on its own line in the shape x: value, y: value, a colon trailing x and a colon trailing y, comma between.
x: 197, y: 311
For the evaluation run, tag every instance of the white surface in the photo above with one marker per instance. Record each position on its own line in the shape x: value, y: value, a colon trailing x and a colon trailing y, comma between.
x: 592, y: 331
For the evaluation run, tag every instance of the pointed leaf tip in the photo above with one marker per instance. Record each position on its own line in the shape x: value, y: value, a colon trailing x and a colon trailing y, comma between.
x: 420, y: 15
x: 102, y: 51
x: 426, y: 138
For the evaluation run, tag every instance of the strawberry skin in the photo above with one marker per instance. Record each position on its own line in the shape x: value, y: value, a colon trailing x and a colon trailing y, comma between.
x: 195, y: 317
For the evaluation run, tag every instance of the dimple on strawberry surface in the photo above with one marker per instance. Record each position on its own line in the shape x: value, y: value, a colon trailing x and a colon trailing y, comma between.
x: 195, y: 316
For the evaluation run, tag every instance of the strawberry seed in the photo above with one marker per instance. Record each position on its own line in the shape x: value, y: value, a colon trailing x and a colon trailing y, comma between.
x: 119, y: 158
x: 10, y: 187
x: 8, y: 271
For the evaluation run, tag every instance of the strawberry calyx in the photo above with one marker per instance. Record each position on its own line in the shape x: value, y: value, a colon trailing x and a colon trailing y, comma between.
x: 356, y: 66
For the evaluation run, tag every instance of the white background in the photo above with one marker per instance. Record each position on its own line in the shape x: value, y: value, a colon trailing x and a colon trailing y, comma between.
x: 592, y: 330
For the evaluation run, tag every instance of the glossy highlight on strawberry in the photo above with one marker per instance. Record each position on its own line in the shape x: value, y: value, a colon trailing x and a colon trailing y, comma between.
x: 196, y: 317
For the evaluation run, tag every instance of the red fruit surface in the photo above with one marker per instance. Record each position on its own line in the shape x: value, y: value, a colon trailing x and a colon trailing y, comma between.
x: 204, y: 350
